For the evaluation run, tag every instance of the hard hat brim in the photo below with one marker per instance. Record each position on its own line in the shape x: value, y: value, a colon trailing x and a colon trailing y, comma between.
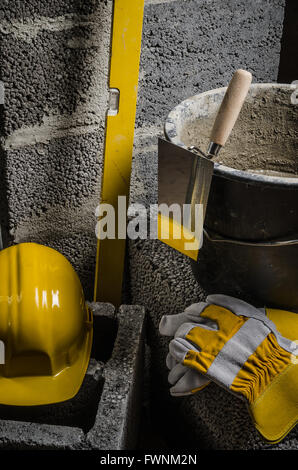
x: 45, y: 390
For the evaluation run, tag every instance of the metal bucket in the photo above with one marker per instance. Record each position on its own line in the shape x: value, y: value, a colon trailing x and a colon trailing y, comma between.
x: 250, y: 244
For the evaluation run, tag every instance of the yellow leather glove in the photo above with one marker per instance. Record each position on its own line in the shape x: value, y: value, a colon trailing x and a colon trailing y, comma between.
x: 239, y: 347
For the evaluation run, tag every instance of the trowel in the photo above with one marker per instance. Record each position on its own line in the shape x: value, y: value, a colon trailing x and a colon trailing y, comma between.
x: 185, y: 175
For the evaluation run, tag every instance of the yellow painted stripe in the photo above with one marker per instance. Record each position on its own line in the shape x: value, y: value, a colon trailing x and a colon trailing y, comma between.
x: 124, y: 73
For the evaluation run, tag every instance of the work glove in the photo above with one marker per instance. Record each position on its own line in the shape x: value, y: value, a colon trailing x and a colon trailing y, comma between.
x: 239, y: 347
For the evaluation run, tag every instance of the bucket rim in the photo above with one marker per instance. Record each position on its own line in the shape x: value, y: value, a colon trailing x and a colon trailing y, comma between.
x: 223, y: 171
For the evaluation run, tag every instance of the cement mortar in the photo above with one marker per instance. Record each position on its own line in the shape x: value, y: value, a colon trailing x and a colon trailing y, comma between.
x: 264, y: 138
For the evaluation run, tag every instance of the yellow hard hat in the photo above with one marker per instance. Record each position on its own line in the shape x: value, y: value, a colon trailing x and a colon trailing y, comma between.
x: 45, y: 327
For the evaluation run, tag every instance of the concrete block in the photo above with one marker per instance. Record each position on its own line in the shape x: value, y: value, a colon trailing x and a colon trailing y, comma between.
x: 104, y: 414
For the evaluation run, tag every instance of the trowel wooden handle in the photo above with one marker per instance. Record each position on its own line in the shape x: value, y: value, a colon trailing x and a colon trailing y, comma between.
x: 230, y: 106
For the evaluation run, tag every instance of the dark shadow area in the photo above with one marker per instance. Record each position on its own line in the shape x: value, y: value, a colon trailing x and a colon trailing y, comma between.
x: 288, y: 65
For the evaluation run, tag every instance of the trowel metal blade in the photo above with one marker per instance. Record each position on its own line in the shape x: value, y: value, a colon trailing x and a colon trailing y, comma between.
x: 184, y: 177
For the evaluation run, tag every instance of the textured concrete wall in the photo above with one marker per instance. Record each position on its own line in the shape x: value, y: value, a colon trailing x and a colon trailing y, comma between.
x: 191, y: 46
x: 54, y: 64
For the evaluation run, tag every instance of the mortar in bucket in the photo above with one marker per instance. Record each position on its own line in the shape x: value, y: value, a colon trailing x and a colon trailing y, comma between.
x: 250, y: 247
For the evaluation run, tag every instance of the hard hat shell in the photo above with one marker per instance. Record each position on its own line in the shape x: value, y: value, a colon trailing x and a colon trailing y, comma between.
x: 45, y: 327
